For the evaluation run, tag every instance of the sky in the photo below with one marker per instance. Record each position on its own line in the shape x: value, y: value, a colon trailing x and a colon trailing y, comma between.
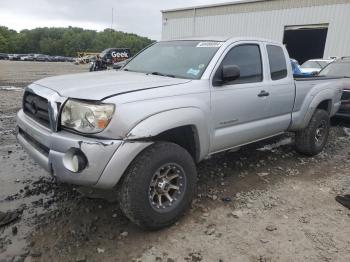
x: 142, y: 17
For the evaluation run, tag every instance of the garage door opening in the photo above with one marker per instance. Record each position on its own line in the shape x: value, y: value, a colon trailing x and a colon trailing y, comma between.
x: 305, y: 42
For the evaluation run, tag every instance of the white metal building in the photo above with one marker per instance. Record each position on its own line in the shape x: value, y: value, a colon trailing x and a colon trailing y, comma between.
x: 309, y: 28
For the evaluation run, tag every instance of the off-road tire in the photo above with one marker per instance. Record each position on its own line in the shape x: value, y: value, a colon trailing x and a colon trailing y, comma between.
x: 305, y: 140
x: 133, y: 191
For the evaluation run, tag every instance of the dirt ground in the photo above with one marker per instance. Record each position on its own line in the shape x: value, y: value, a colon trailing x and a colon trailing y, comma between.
x: 263, y: 203
x: 20, y: 73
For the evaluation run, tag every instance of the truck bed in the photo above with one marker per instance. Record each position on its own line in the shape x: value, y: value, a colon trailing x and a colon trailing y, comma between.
x: 305, y: 90
x: 315, y: 78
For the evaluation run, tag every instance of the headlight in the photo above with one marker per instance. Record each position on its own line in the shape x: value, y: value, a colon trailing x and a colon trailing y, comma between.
x: 86, y: 117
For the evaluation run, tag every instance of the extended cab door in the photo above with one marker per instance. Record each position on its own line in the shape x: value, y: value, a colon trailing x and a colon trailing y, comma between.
x: 282, y: 87
x: 240, y: 108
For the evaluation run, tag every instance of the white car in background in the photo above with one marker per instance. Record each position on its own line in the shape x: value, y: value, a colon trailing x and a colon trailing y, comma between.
x: 315, y: 65
x: 29, y: 57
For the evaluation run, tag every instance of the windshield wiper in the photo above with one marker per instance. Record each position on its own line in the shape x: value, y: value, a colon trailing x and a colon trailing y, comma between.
x: 160, y: 74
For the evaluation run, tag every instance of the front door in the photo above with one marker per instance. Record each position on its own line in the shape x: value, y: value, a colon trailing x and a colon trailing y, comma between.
x: 240, y: 107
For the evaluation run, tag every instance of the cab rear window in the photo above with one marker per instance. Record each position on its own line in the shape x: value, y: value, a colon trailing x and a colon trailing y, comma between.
x: 277, y: 60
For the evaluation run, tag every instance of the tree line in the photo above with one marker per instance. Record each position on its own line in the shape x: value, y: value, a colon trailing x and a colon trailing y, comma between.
x: 67, y: 41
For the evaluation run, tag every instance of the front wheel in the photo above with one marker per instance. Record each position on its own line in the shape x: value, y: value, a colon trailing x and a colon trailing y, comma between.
x: 159, y: 186
x: 311, y: 140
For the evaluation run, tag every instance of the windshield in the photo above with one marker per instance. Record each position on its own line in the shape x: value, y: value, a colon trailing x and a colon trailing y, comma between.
x: 311, y: 64
x: 104, y: 52
x: 336, y: 69
x: 182, y: 59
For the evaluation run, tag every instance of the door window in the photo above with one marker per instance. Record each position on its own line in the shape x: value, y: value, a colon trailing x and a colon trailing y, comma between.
x: 248, y: 59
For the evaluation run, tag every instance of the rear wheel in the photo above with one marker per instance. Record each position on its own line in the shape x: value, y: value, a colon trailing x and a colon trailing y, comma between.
x: 159, y: 186
x: 311, y: 140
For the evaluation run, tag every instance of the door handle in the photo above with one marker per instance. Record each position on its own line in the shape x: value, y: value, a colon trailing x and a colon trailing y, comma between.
x: 263, y: 93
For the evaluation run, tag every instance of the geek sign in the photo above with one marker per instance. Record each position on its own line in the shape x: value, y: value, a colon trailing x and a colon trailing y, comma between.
x: 118, y: 56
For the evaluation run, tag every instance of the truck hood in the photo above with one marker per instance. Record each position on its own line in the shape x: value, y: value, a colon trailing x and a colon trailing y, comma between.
x: 100, y: 85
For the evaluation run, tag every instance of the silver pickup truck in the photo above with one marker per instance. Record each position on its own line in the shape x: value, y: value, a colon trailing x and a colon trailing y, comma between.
x: 141, y: 130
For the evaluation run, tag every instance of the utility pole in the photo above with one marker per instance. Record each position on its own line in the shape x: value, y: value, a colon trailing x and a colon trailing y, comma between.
x: 112, y: 18
x: 112, y: 26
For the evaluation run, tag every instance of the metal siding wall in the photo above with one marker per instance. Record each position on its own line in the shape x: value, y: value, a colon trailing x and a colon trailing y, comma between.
x: 248, y: 7
x: 177, y: 28
x: 270, y: 24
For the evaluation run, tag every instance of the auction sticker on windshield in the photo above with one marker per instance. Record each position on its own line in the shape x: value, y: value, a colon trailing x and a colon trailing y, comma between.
x: 210, y: 44
x: 193, y: 71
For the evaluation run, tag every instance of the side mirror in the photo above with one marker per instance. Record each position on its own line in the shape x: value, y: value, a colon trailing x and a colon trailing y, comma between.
x: 230, y: 73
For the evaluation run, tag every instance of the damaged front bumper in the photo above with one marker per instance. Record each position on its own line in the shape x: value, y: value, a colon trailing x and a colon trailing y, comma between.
x: 106, y: 160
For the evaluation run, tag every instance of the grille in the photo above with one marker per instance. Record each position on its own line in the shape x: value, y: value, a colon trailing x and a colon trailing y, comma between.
x: 37, y: 108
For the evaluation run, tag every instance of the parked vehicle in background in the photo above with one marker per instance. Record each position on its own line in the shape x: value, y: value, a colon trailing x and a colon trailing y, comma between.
x: 142, y: 129
x: 314, y: 66
x: 29, y: 57
x: 51, y: 58
x: 60, y: 59
x: 41, y: 58
x: 37, y: 55
x: 114, y: 55
x: 4, y: 56
x: 111, y: 56
x: 71, y: 59
x: 338, y: 68
x: 16, y: 57
x: 341, y: 68
x: 297, y: 72
x: 119, y: 65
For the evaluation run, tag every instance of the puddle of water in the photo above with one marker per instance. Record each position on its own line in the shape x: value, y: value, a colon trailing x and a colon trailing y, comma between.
x: 15, y: 175
x: 11, y: 88
x: 7, y: 116
x: 347, y: 131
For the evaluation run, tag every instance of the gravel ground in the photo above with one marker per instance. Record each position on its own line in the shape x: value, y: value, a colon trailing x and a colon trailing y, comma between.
x: 262, y: 203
